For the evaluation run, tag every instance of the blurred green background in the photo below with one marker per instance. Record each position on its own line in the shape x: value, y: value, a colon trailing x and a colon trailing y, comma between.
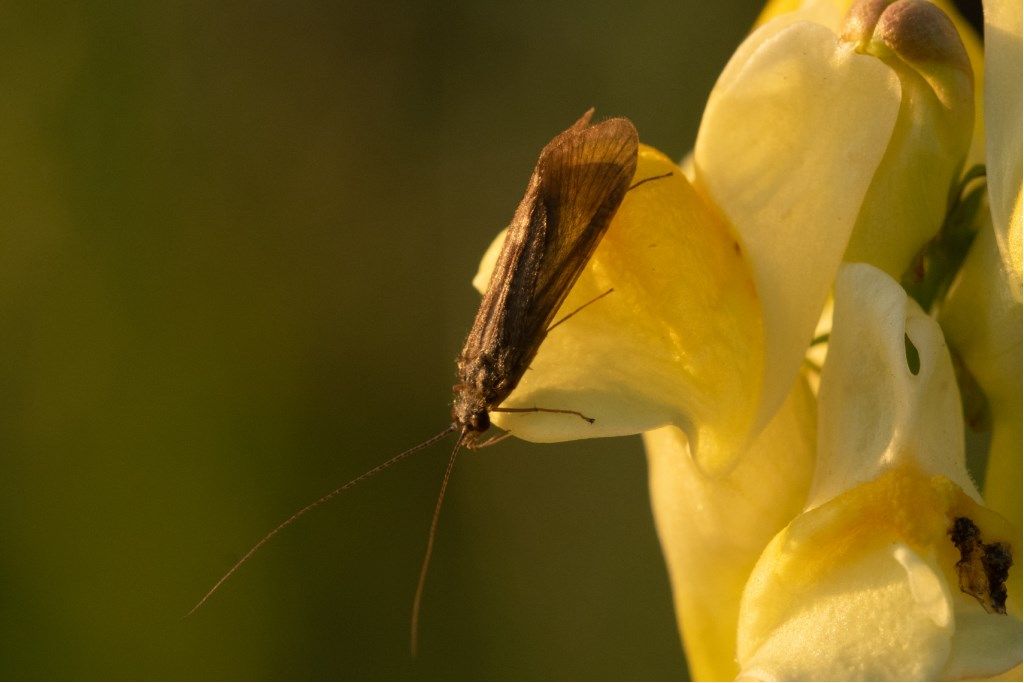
x: 237, y: 241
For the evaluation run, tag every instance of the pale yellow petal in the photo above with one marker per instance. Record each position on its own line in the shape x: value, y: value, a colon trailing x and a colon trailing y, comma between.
x: 1003, y: 74
x: 888, y: 393
x: 865, y: 587
x: 790, y: 141
x: 981, y: 644
x: 883, y: 613
x: 712, y: 529
x: 866, y: 583
x: 830, y: 13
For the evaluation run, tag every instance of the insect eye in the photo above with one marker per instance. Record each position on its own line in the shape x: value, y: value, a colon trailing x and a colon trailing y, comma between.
x: 481, y: 421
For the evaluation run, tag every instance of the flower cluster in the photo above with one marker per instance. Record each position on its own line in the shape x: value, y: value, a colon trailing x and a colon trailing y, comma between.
x: 817, y: 516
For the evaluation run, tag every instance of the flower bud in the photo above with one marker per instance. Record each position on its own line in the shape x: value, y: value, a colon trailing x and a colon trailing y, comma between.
x: 907, y: 200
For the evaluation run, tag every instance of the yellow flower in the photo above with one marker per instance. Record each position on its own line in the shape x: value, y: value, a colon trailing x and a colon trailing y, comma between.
x: 713, y: 277
x: 829, y: 136
x: 1003, y: 123
x: 780, y: 150
x: 895, y: 570
x: 713, y: 529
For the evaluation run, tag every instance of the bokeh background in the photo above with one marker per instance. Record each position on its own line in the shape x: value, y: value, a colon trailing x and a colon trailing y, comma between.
x: 235, y: 253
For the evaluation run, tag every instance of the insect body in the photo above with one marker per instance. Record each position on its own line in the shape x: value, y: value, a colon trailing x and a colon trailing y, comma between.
x: 581, y: 178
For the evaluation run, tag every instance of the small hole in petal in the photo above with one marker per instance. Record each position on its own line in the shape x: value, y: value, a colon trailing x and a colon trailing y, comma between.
x: 913, y: 357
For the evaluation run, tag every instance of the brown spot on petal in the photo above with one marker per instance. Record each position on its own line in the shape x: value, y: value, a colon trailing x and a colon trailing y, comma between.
x: 983, y: 567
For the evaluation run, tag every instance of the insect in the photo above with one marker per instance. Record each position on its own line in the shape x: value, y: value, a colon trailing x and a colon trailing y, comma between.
x: 577, y: 186
x: 581, y: 178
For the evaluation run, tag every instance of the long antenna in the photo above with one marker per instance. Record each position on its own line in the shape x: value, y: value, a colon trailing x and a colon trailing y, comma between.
x: 414, y: 633
x: 320, y: 501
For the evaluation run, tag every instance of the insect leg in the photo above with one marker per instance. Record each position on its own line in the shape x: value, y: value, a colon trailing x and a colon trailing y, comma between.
x: 647, y: 180
x: 473, y: 446
x: 542, y: 410
x: 578, y: 309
